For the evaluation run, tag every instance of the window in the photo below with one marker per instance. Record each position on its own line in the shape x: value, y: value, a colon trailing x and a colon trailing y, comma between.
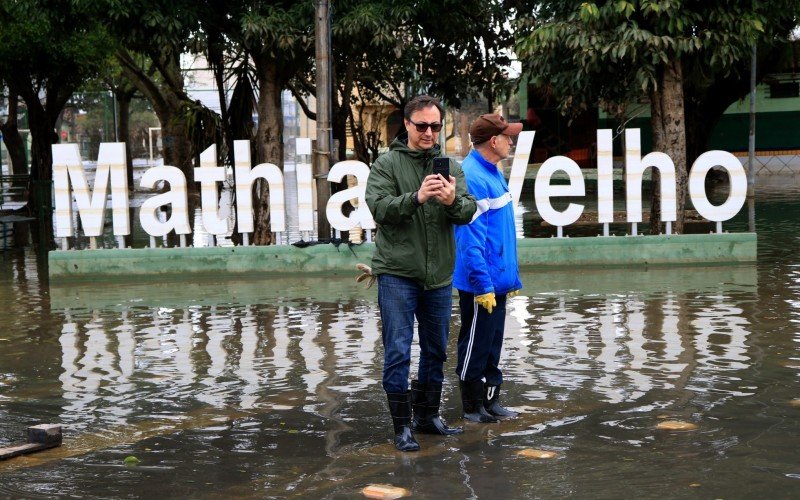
x: 782, y: 90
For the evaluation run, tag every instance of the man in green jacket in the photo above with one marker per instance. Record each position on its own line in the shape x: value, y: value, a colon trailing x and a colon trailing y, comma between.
x: 415, y: 211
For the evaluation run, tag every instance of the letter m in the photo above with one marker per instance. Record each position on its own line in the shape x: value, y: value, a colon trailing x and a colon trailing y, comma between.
x: 91, y: 205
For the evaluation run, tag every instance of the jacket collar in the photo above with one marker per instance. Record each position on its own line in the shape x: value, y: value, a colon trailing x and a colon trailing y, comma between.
x: 401, y: 144
x: 483, y: 161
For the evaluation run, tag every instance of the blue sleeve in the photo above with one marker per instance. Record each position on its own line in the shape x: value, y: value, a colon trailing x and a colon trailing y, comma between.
x: 471, y: 240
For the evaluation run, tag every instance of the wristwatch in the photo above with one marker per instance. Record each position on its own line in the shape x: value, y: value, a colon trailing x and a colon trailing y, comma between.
x: 416, y: 198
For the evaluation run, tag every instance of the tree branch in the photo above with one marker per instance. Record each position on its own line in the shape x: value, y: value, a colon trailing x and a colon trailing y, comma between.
x: 375, y: 89
x: 302, y: 102
x: 141, y: 80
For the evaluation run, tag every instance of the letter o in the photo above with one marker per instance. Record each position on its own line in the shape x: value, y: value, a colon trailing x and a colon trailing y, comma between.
x: 697, y: 185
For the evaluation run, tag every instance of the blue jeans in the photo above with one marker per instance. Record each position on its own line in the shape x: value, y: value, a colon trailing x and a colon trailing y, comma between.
x: 400, y: 301
x: 480, y: 340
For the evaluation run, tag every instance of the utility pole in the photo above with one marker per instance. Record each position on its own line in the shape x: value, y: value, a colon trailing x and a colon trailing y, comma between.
x: 322, y: 31
x: 751, y: 149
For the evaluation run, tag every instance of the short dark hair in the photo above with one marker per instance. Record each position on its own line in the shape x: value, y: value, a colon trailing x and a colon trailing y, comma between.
x: 421, y: 102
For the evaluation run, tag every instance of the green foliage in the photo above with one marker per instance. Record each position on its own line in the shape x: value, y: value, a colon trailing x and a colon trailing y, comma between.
x: 203, y: 126
x: 610, y: 52
x: 55, y: 43
x: 455, y: 50
x: 283, y: 29
x: 142, y: 25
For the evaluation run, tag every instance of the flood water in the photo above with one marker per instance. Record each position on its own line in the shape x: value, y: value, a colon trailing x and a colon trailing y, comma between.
x: 270, y: 387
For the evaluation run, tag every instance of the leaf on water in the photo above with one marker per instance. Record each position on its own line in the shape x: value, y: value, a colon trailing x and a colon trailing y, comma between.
x: 384, y: 491
x: 532, y: 453
x: 676, y: 425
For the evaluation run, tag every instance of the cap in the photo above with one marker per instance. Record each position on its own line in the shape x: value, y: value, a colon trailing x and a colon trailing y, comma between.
x: 487, y: 126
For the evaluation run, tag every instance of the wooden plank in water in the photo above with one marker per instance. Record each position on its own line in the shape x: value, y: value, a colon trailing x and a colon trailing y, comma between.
x: 40, y: 437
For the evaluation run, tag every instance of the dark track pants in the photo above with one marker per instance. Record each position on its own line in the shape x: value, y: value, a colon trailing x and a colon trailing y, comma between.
x: 480, y: 340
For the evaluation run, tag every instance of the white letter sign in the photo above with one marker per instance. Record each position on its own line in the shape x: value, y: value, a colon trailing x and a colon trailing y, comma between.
x: 245, y: 177
x: 543, y: 191
x: 361, y: 216
x: 176, y: 196
x: 68, y: 169
x: 635, y: 166
x: 208, y: 175
x: 697, y: 185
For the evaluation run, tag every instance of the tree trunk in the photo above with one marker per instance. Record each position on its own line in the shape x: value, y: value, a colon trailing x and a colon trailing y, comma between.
x: 43, y: 136
x: 177, y: 147
x: 41, y: 122
x: 342, y: 110
x: 269, y: 139
x: 12, y: 138
x: 124, y: 130
x: 705, y: 103
x: 669, y: 136
x: 339, y: 125
x: 166, y: 96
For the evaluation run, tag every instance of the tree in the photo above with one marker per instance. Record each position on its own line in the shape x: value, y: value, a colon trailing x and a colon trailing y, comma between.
x: 615, y: 52
x: 278, y: 38
x: 152, y: 36
x: 47, y: 49
x: 388, y: 51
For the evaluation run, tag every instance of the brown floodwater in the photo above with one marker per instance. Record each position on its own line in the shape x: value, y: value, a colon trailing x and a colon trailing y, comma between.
x: 270, y: 387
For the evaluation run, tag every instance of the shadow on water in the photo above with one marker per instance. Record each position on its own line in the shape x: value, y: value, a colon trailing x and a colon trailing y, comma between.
x: 270, y: 387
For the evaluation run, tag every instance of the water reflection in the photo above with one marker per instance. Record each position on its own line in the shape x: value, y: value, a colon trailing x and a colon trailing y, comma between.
x: 258, y: 352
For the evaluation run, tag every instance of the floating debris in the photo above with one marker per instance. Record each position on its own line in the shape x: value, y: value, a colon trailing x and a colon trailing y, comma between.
x: 794, y: 402
x: 40, y: 437
x: 131, y: 460
x: 531, y: 453
x: 676, y: 425
x: 384, y: 491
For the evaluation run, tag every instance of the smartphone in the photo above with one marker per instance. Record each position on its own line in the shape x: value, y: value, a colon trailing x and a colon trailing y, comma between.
x: 441, y: 165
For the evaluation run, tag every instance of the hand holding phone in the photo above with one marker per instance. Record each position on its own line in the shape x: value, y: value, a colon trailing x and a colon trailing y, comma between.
x: 446, y: 193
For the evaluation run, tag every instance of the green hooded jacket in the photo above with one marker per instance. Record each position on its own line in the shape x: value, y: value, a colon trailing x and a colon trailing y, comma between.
x: 414, y: 241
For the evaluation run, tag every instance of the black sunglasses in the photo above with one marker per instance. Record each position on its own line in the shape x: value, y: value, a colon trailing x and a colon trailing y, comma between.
x: 422, y: 126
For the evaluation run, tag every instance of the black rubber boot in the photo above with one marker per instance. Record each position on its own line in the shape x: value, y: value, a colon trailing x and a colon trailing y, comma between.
x: 400, y: 408
x: 472, y: 399
x: 491, y: 401
x: 425, y: 400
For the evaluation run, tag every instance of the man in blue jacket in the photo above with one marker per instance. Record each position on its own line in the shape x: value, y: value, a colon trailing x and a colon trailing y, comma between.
x: 486, y: 271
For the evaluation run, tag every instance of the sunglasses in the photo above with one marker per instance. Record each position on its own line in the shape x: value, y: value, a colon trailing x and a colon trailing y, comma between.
x: 422, y: 127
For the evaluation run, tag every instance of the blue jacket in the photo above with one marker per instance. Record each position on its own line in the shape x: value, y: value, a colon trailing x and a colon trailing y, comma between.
x: 486, y: 248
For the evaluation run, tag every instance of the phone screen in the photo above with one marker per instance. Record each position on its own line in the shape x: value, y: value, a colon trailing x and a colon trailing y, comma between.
x: 441, y: 165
